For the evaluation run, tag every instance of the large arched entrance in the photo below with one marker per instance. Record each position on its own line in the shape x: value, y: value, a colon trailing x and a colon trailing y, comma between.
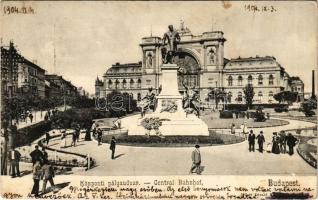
x: 191, y: 72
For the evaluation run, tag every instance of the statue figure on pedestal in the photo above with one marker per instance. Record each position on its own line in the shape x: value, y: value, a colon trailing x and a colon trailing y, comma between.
x: 170, y: 40
x: 191, y: 100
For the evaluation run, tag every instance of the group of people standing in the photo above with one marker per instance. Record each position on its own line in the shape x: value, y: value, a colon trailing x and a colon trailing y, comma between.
x: 278, y: 144
x: 50, y: 113
x: 42, y: 170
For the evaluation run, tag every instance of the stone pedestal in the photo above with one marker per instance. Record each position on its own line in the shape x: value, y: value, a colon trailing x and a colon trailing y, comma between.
x: 169, y: 94
x: 177, y: 122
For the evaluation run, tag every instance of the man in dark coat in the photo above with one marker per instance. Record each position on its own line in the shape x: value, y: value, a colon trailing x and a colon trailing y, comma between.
x: 260, y: 140
x: 196, y: 160
x: 251, y: 141
x: 47, y: 138
x: 291, y: 142
x: 99, y: 136
x: 36, y: 155
x: 14, y: 159
x: 113, y: 147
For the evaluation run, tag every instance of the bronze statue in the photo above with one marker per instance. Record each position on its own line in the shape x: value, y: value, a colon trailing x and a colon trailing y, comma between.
x: 170, y: 39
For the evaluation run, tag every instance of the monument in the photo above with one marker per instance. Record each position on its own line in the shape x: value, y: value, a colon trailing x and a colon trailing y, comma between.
x: 169, y: 117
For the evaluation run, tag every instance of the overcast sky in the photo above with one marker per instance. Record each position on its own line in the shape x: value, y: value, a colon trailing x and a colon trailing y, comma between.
x: 90, y: 36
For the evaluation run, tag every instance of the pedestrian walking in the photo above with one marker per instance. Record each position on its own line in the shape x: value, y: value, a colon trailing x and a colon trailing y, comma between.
x: 49, y: 113
x: 291, y: 142
x: 45, y: 155
x: 14, y: 159
x: 260, y: 140
x: 63, y: 139
x: 74, y: 137
x: 94, y: 128
x: 244, y: 129
x: 233, y: 128
x: 251, y: 141
x: 275, y: 142
x: 31, y: 117
x: 36, y: 155
x: 113, y: 147
x: 77, y: 131
x: 47, y: 138
x: 99, y: 136
x: 196, y: 160
x: 37, y: 174
x: 46, y: 117
x: 48, y: 175
x: 282, y: 142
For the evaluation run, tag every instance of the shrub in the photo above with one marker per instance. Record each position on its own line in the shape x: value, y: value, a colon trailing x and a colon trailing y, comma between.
x: 259, y: 115
x: 226, y: 114
x: 281, y: 109
x: 238, y: 107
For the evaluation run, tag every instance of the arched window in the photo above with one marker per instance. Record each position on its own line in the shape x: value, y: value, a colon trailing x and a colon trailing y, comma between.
x: 117, y: 84
x: 230, y: 81
x: 124, y: 83
x: 271, y: 80
x: 240, y: 80
x: 260, y: 80
x: 260, y: 96
x: 250, y: 79
x: 270, y: 96
x: 139, y: 83
x: 239, y: 97
x: 139, y: 97
x: 229, y: 97
x: 110, y: 84
x: 132, y: 83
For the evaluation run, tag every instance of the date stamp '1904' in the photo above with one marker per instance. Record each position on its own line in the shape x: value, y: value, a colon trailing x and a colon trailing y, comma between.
x: 9, y: 10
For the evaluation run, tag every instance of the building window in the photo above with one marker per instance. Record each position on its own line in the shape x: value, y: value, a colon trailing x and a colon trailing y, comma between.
x: 117, y: 84
x: 250, y: 79
x: 271, y: 80
x: 260, y: 96
x: 239, y: 97
x: 132, y: 82
x: 124, y: 83
x: 139, y: 83
x: 270, y: 96
x: 110, y: 84
x: 240, y: 81
x: 229, y: 97
x: 260, y: 80
x: 230, y: 81
x: 139, y: 97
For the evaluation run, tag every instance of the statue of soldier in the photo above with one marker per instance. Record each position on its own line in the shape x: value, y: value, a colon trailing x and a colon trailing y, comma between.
x: 170, y: 38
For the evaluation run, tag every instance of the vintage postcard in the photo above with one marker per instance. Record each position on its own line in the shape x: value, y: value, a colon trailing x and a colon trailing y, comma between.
x: 158, y: 100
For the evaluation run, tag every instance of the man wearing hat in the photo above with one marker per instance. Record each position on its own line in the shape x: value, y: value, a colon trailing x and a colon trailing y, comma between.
x: 251, y: 141
x: 260, y: 140
x: 196, y: 160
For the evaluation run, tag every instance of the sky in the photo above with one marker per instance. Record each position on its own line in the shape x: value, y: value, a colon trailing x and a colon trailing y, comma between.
x: 88, y: 37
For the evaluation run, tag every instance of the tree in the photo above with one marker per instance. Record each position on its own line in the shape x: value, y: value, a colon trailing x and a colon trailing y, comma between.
x: 249, y: 95
x: 288, y: 96
x: 308, y: 106
x: 119, y: 104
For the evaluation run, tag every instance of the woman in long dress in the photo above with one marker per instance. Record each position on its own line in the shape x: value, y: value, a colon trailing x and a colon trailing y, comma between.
x: 275, y: 142
x: 63, y: 139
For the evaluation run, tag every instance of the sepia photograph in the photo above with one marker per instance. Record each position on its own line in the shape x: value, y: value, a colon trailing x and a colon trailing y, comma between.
x: 158, y: 99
